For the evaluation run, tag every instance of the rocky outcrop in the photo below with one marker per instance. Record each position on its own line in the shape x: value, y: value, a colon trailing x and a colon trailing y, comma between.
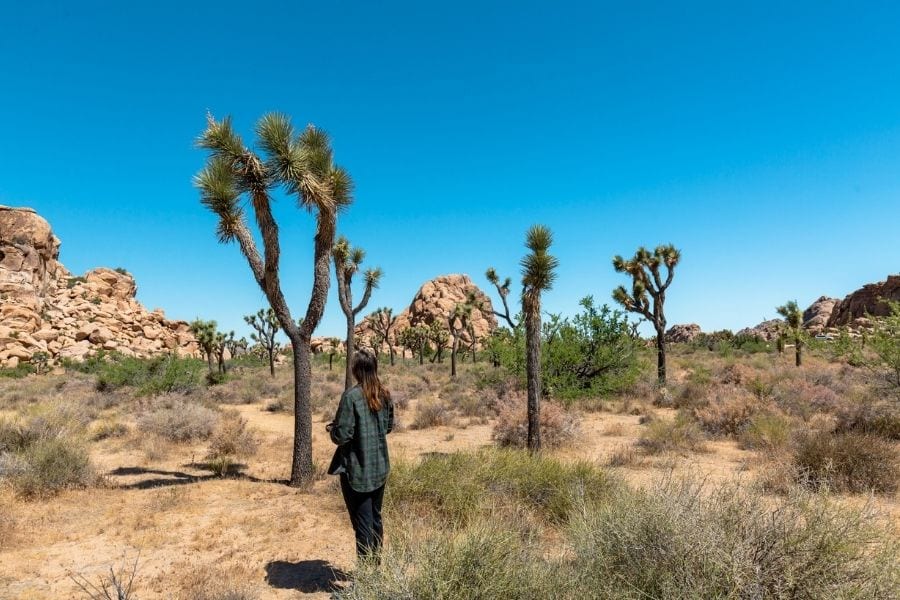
x: 868, y: 300
x: 815, y: 318
x: 767, y: 330
x: 683, y: 333
x: 436, y: 300
x: 47, y: 310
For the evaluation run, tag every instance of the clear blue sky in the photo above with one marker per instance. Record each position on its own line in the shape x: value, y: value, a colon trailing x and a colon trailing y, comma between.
x: 763, y: 140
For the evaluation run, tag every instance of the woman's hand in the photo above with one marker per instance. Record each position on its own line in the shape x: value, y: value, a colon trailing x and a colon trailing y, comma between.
x: 329, y: 427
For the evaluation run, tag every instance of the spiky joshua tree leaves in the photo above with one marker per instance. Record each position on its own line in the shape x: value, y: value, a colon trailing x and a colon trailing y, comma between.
x: 538, y: 273
x: 648, y: 292
x: 303, y: 165
x: 503, y: 292
x: 347, y: 261
x: 205, y: 334
x: 265, y: 326
x: 793, y: 321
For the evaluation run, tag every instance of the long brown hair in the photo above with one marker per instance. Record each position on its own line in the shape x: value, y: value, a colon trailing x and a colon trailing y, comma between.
x: 365, y: 371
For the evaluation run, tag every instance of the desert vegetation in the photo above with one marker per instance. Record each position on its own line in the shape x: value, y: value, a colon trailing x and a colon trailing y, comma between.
x: 742, y: 463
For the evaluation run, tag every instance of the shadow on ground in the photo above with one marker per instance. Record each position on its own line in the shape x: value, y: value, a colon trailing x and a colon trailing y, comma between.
x: 307, y: 576
x: 166, y: 478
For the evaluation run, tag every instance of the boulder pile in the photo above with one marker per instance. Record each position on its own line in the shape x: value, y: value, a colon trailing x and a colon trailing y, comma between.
x: 47, y: 312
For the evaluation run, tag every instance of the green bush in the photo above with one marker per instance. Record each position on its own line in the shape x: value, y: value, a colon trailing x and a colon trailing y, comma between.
x: 148, y: 376
x: 22, y: 370
x: 767, y: 431
x: 678, y: 435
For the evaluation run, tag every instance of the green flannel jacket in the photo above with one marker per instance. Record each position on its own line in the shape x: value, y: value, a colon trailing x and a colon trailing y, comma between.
x: 360, y: 435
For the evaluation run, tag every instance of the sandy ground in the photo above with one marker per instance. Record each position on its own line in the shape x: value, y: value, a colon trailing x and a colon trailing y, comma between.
x: 187, y: 528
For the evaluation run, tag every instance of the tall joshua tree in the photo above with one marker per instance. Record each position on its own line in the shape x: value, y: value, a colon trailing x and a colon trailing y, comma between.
x: 346, y: 264
x: 458, y: 323
x: 439, y: 336
x: 381, y: 321
x: 265, y: 326
x: 303, y: 165
x: 538, y: 273
x: 646, y: 278
x: 503, y: 291
x: 793, y: 320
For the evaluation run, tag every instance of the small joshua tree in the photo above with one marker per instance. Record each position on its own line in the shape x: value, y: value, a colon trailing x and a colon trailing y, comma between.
x: 346, y: 264
x: 205, y: 334
x: 439, y: 337
x: 236, y: 177
x: 381, y: 322
x: 458, y: 323
x: 265, y: 326
x: 334, y: 345
x: 644, y: 269
x: 538, y: 273
x: 415, y: 339
x: 235, y: 346
x: 793, y: 321
x: 503, y: 291
x: 222, y: 341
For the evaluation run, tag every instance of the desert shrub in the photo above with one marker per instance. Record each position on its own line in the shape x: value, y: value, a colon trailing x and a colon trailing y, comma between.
x: 801, y: 398
x: 736, y: 374
x: 691, y: 394
x: 877, y: 418
x: 432, y: 413
x: 558, y: 425
x: 458, y: 488
x: 727, y: 413
x: 149, y: 376
x: 178, y: 420
x: 767, y: 431
x: 678, y: 540
x: 108, y: 429
x: 486, y: 560
x: 677, y: 435
x: 847, y: 462
x: 623, y: 456
x: 48, y: 466
x: 18, y: 372
x: 231, y: 440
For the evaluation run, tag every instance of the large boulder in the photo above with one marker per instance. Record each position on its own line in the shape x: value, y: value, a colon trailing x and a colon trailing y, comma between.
x: 815, y: 318
x: 868, y: 300
x: 683, y: 333
x: 767, y: 330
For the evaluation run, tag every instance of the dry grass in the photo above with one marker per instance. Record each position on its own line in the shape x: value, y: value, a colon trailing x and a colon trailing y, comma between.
x: 559, y: 426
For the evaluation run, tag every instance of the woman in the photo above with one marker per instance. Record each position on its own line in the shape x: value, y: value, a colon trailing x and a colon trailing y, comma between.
x: 364, y: 417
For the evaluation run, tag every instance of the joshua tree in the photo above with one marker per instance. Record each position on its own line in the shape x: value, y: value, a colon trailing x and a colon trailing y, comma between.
x: 205, y: 333
x: 439, y: 336
x: 381, y: 322
x: 333, y: 345
x: 644, y: 269
x: 303, y: 164
x: 265, y: 325
x: 346, y: 265
x: 234, y: 346
x: 458, y: 323
x: 503, y: 291
x: 793, y: 321
x: 415, y: 339
x: 538, y: 273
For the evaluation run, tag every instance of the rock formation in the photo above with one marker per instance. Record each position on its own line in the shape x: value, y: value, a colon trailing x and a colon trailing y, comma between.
x: 682, y: 333
x: 435, y: 300
x: 46, y: 310
x: 767, y: 330
x: 815, y: 318
x: 868, y: 300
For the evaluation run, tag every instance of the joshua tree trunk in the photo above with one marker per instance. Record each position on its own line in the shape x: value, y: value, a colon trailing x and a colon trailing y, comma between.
x: 351, y: 347
x: 533, y: 370
x: 798, y: 348
x: 422, y: 353
x: 330, y: 361
x: 271, y: 353
x: 661, y: 356
x: 453, y: 349
x: 302, y: 472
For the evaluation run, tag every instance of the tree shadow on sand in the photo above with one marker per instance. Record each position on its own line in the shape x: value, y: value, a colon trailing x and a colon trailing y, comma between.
x: 166, y: 478
x: 307, y: 576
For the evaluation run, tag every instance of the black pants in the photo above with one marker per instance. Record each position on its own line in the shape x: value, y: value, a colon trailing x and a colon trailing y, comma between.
x: 365, y: 515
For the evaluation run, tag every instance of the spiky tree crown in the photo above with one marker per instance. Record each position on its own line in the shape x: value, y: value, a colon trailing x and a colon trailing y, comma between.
x: 538, y: 267
x: 644, y: 269
x: 792, y: 314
